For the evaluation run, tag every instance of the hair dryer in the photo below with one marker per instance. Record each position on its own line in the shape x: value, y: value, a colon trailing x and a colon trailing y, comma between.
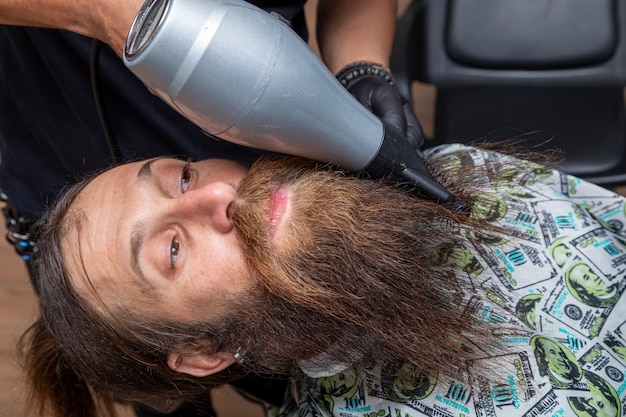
x: 242, y: 75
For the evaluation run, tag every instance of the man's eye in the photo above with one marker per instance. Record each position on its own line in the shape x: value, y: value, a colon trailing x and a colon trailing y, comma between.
x: 174, y: 250
x: 185, y: 177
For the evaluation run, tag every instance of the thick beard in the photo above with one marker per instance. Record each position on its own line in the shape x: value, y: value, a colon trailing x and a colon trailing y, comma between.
x: 359, y: 277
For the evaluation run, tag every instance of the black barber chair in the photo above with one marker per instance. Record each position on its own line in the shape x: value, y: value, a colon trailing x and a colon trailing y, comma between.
x: 551, y: 71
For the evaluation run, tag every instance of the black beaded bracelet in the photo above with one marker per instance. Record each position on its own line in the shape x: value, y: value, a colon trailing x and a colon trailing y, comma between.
x: 350, y: 73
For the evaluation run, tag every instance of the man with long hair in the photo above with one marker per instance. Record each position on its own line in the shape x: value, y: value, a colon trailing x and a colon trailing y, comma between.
x: 166, y: 277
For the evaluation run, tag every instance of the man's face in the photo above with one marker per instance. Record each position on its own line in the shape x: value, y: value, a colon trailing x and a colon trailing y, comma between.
x: 594, y: 284
x: 561, y: 254
x: 557, y: 358
x: 157, y: 237
x: 410, y: 379
x: 344, y: 384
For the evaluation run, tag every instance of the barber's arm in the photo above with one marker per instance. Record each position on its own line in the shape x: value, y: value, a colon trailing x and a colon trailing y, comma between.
x: 355, y: 39
x: 355, y: 30
x: 106, y: 20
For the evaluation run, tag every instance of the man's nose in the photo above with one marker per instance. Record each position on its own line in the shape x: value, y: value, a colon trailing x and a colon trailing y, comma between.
x: 210, y: 204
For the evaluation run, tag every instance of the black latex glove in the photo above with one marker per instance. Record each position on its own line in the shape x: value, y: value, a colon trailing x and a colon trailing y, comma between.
x: 386, y: 102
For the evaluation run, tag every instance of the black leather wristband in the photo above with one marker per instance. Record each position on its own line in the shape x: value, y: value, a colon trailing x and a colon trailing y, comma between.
x: 350, y: 73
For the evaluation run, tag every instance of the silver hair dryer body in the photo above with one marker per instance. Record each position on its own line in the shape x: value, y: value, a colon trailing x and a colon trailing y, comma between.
x: 242, y: 75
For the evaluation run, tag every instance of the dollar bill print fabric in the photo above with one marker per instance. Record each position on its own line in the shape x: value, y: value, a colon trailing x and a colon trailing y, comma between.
x: 559, y: 273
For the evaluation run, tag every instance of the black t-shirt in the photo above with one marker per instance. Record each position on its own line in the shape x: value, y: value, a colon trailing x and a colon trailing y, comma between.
x: 50, y: 131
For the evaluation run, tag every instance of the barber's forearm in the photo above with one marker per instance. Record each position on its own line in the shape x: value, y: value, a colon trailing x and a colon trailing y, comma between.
x: 107, y: 20
x: 355, y: 30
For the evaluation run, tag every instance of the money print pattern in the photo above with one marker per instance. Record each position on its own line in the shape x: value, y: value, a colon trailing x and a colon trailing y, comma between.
x: 558, y: 273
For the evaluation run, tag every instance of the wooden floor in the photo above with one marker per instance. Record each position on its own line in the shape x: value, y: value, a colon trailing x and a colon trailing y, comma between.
x: 17, y: 311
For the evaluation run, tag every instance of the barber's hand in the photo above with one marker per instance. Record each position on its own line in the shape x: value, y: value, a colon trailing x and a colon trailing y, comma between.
x: 377, y: 94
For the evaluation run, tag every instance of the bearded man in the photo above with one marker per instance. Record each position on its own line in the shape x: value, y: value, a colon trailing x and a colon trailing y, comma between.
x: 164, y: 277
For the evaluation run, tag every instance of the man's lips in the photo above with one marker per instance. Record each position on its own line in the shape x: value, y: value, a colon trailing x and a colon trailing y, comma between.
x: 280, y: 206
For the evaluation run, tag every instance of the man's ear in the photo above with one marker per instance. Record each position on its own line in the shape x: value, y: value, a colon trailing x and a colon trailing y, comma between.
x: 199, y: 364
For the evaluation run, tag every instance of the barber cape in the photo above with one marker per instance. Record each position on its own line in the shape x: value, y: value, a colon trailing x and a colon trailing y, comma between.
x: 559, y: 274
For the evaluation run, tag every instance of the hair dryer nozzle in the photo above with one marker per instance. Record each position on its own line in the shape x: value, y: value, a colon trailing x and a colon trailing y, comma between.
x: 398, y: 160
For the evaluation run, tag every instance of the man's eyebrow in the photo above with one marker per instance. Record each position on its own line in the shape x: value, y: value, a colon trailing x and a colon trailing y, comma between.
x: 145, y: 172
x: 137, y: 235
x: 138, y: 231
